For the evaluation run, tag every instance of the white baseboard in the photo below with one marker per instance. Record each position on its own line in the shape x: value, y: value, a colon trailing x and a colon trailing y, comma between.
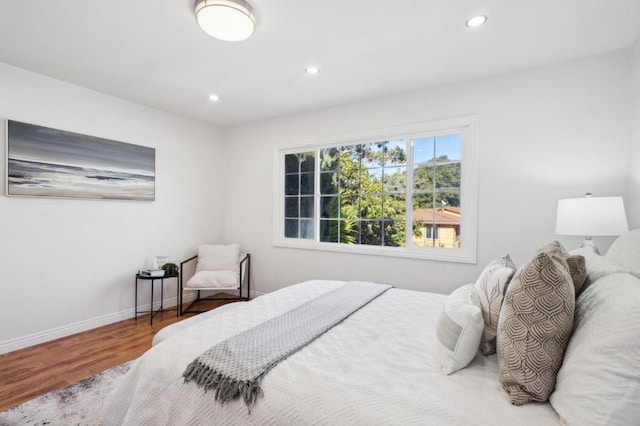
x: 78, y: 327
x: 69, y: 329
x: 63, y: 331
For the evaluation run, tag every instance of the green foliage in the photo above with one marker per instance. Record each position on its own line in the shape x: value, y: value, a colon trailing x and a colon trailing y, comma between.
x: 363, y: 192
x: 447, y: 183
x: 170, y: 268
x: 368, y: 214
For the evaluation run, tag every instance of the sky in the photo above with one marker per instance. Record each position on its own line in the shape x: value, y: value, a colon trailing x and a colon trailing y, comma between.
x: 449, y: 145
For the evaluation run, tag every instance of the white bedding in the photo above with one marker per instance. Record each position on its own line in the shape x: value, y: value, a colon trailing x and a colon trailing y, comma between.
x: 377, y: 367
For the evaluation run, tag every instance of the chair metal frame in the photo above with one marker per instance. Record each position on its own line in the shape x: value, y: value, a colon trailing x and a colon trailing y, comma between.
x: 246, y: 259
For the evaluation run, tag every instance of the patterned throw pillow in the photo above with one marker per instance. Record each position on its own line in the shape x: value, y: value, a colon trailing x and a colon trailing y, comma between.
x: 535, y: 324
x: 577, y: 264
x: 491, y: 286
x: 577, y: 270
x: 459, y: 329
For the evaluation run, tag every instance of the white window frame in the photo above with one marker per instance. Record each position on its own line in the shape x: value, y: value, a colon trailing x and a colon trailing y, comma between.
x: 466, y: 253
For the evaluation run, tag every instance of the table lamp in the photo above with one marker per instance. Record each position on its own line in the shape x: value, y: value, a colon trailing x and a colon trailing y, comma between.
x: 591, y: 216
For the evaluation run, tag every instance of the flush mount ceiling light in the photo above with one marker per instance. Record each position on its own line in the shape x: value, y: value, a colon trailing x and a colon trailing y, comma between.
x: 312, y: 70
x: 476, y: 21
x: 229, y: 20
x: 214, y: 98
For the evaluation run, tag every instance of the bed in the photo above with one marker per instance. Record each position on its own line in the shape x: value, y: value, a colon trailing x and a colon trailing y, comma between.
x: 379, y: 366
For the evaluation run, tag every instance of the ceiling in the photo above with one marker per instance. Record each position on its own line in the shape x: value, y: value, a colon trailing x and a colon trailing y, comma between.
x: 153, y: 53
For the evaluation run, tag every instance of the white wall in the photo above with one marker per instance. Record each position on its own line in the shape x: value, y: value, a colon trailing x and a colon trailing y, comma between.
x: 547, y: 133
x: 67, y: 264
x: 633, y: 200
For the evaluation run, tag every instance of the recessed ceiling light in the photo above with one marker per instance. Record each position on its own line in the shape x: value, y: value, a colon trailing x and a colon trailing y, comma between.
x: 228, y: 20
x: 476, y: 21
x: 214, y: 98
x: 312, y: 70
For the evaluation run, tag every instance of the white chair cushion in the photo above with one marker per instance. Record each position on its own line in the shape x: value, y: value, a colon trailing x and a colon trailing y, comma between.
x: 218, y: 258
x: 213, y: 279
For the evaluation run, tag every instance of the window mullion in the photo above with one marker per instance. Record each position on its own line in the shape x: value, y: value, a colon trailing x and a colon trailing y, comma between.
x: 433, y: 191
x: 316, y: 196
x: 409, y: 193
x: 338, y: 176
x: 299, y: 198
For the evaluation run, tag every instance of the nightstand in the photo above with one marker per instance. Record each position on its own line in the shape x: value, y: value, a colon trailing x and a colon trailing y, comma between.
x: 161, y: 308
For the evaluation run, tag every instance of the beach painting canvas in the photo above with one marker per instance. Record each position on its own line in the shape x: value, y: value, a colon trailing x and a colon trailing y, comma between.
x: 47, y: 162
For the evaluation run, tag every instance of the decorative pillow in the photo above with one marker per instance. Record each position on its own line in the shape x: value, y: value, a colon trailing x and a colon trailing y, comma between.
x: 459, y: 329
x: 599, y: 381
x: 577, y: 270
x: 490, y: 286
x: 598, y: 266
x: 534, y: 327
x: 218, y: 258
x: 625, y: 251
x: 577, y: 267
x: 213, y: 279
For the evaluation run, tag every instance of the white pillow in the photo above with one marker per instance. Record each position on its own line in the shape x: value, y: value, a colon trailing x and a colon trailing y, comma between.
x: 218, y: 258
x: 490, y: 287
x: 213, y: 279
x: 599, y: 381
x: 459, y: 329
x: 625, y: 251
x: 598, y: 266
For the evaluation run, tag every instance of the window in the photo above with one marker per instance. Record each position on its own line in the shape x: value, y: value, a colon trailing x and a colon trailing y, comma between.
x: 299, y: 183
x: 437, y: 166
x: 431, y: 232
x: 406, y: 192
x: 362, y: 194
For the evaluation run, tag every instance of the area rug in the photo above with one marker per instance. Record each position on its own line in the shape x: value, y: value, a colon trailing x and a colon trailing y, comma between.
x: 80, y: 403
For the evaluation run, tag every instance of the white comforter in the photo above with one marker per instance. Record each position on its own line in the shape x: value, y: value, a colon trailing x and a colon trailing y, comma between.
x: 377, y: 367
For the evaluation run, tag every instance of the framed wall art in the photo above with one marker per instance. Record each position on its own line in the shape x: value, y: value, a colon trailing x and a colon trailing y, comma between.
x: 46, y: 162
x: 160, y: 261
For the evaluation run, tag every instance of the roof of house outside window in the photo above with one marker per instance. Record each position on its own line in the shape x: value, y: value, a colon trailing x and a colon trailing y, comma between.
x: 443, y: 216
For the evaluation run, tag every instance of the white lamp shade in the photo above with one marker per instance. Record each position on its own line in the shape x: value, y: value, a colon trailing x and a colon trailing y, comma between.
x: 591, y: 216
x: 229, y: 20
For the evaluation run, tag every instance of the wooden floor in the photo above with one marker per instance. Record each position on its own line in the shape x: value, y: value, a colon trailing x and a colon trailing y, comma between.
x: 34, y: 371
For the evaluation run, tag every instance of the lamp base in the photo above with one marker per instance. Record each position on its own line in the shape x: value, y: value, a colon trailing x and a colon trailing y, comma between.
x: 588, y: 242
